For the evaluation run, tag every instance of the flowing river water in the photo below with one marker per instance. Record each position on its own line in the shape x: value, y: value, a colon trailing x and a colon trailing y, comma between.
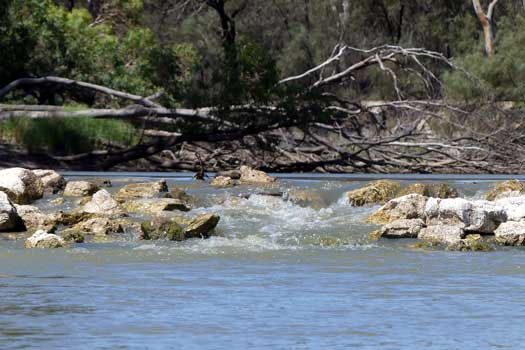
x: 277, y: 276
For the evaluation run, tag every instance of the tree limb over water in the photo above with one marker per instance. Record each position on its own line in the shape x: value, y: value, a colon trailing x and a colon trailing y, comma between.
x: 316, y: 129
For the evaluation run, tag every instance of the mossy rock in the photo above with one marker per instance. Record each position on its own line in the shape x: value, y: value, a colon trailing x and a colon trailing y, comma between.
x: 162, y: 229
x: 377, y: 192
x: 471, y: 243
x: 202, y: 226
x: 430, y: 190
x: 375, y: 235
x: 72, y: 236
x: 505, y: 186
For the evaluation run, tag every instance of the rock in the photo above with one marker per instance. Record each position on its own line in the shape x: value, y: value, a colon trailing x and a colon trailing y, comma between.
x: 431, y: 190
x: 403, y: 228
x: 42, y: 239
x: 222, y: 181
x: 202, y: 226
x: 233, y: 174
x: 511, y: 233
x: 411, y: 206
x: 98, y: 226
x: 73, y: 236
x: 51, y: 180
x: 501, y: 189
x: 142, y: 190
x: 305, y: 198
x: 35, y: 219
x: 161, y: 228
x: 513, y: 206
x: 102, y: 182
x: 103, y: 204
x: 57, y: 201
x: 80, y: 189
x: 446, y: 234
x: 155, y: 205
x: 478, y: 216
x: 181, y: 195
x: 249, y: 175
x: 373, y: 193
x: 9, y: 218
x: 21, y: 185
x: 471, y: 243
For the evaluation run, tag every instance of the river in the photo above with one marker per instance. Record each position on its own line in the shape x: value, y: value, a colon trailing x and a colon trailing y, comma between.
x: 278, y: 276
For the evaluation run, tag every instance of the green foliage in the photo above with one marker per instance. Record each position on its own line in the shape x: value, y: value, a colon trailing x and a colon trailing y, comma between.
x: 67, y: 136
x: 501, y: 77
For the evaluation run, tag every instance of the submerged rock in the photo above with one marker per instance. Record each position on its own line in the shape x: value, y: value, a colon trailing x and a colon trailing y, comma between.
x: 57, y: 201
x: 155, y: 205
x: 21, y: 185
x: 43, y: 239
x: 471, y: 243
x: 478, y: 216
x: 52, y: 181
x: 72, y: 236
x: 411, y: 206
x: 9, y: 218
x: 202, y: 226
x: 222, y: 181
x: 374, y: 193
x: 305, y: 198
x: 430, y: 190
x: 142, y: 190
x: 403, y: 228
x: 446, y: 234
x: 80, y: 189
x: 505, y: 189
x: 511, y: 233
x: 249, y: 175
x: 103, y: 204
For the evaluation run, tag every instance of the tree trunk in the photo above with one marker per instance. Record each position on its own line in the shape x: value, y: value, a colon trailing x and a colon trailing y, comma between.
x: 485, y: 18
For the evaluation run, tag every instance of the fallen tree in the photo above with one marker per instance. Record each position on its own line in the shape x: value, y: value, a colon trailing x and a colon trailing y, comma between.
x: 316, y: 129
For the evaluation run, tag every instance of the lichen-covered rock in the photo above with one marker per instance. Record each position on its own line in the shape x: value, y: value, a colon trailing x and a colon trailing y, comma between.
x: 249, y: 175
x: 155, y: 205
x: 222, y: 181
x: 478, y: 216
x: 430, y: 190
x: 21, y: 185
x: 102, y: 204
x: 411, y: 206
x: 511, y: 233
x: 202, y: 226
x: 52, y: 181
x: 501, y: 189
x: 374, y: 193
x: 403, y: 228
x: 445, y: 234
x: 72, y: 236
x: 80, y: 189
x: 142, y: 190
x: 9, y: 218
x: 35, y: 219
x: 98, y: 226
x: 162, y: 228
x: 43, y: 239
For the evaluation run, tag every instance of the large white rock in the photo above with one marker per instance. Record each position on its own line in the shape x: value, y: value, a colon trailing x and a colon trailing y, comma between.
x: 21, y: 185
x: 403, y: 228
x: 102, y: 203
x: 9, y: 219
x: 479, y: 216
x: 511, y: 233
x: 446, y: 234
x: 51, y: 180
x: 42, y: 239
x: 411, y: 206
x: 513, y: 206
